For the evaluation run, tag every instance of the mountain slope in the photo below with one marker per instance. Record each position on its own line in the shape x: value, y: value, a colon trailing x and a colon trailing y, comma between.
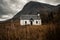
x: 45, y: 10
x: 34, y: 7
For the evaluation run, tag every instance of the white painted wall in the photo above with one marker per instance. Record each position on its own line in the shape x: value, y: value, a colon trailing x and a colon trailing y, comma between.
x: 39, y: 22
x: 22, y: 22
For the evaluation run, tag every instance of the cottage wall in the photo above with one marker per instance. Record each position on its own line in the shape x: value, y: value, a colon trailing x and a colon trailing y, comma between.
x: 22, y: 22
x: 27, y: 22
x: 37, y: 22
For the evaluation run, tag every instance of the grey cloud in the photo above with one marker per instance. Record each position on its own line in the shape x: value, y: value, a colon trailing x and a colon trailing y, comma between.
x: 53, y: 1
x: 5, y: 7
x: 58, y: 1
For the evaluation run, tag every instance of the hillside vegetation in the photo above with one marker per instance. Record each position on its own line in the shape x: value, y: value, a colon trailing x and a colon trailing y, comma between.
x: 28, y: 32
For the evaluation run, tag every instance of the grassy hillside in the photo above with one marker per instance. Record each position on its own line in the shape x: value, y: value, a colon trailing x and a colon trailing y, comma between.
x: 16, y: 32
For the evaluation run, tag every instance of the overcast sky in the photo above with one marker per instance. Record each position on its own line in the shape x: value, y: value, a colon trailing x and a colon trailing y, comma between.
x: 8, y: 8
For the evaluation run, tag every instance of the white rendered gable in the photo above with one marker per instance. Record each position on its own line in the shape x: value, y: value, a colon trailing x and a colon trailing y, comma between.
x: 38, y: 22
x: 22, y: 22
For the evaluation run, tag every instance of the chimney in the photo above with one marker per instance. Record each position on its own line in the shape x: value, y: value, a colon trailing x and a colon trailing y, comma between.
x: 38, y: 14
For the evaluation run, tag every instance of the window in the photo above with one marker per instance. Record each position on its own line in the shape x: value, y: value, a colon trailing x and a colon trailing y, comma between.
x: 36, y: 22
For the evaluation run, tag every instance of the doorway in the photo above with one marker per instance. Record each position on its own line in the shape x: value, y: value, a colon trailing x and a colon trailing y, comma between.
x: 31, y: 21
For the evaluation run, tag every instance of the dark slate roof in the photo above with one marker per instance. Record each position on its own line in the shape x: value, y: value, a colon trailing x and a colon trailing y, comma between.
x: 28, y: 17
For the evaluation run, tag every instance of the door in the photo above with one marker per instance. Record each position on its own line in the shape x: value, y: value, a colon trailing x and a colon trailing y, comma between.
x: 31, y: 21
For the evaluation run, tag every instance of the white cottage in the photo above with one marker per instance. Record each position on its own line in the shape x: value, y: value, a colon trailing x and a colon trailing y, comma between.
x: 30, y: 20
